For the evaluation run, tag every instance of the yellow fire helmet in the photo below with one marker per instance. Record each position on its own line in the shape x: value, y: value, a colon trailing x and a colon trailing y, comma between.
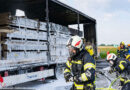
x: 122, y: 43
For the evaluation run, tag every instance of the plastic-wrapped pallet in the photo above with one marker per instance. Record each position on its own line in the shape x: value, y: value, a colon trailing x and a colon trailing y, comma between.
x: 58, y: 38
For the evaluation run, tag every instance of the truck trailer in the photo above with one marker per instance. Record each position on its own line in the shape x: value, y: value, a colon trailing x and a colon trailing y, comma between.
x: 32, y: 45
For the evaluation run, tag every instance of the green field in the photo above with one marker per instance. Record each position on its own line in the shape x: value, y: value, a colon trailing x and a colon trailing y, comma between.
x: 104, y: 49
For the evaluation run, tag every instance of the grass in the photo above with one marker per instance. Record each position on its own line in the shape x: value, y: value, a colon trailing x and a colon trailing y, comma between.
x: 104, y: 49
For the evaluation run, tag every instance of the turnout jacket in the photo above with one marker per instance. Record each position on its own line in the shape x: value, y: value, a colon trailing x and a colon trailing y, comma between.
x: 122, y: 66
x: 122, y: 52
x: 83, y: 66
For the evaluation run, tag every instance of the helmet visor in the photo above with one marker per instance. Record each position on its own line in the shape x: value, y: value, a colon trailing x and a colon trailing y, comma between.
x: 72, y: 51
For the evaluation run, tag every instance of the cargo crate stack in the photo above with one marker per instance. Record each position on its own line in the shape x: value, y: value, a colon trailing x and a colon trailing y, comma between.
x: 59, y: 36
x: 22, y: 38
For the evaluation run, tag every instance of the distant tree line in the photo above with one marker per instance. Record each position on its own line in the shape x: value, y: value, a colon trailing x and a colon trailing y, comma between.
x: 106, y: 44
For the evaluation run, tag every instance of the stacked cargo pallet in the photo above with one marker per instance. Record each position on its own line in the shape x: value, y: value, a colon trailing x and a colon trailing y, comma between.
x: 22, y: 38
x: 58, y: 38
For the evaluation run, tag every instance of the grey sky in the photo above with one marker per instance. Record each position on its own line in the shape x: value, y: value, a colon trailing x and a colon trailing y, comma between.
x: 113, y: 18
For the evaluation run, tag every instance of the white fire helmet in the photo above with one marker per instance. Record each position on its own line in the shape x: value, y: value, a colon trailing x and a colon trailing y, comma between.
x: 111, y: 56
x: 76, y: 42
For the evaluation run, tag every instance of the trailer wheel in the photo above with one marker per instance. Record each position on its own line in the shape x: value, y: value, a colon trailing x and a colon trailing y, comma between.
x: 55, y: 69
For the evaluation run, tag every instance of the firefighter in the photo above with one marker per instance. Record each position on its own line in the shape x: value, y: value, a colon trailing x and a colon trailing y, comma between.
x: 89, y: 48
x: 80, y: 68
x: 122, y: 51
x: 122, y: 67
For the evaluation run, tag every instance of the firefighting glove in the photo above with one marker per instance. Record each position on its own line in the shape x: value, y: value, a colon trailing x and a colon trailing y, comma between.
x: 68, y: 77
x: 71, y: 79
x: 77, y: 78
x: 70, y: 59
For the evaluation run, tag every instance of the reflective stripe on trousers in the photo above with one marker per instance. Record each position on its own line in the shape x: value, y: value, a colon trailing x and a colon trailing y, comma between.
x: 81, y: 86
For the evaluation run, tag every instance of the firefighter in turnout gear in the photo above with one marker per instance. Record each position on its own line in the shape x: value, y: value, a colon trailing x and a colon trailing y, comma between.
x: 121, y: 67
x: 80, y: 68
x: 122, y: 51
